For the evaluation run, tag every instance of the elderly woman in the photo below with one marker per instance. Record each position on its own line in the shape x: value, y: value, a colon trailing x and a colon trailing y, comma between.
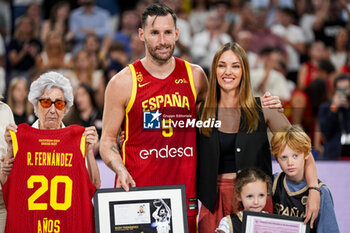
x: 52, y: 96
x: 49, y: 184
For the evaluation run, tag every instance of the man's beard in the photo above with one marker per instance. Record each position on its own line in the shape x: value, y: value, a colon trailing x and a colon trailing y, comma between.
x: 160, y: 58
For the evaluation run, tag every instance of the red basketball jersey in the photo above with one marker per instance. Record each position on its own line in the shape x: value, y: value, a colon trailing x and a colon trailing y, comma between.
x: 160, y: 136
x: 49, y: 189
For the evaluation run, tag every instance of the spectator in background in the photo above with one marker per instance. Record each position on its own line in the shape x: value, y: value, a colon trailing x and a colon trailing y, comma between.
x: 58, y: 22
x: 244, y: 38
x: 116, y: 60
x: 141, y: 5
x: 18, y: 101
x: 222, y: 9
x: 83, y: 72
x: 326, y: 71
x: 19, y: 8
x: 130, y: 22
x: 338, y: 53
x: 49, y: 4
x: 88, y: 19
x: 293, y: 37
x: 335, y: 119
x: 185, y: 38
x: 316, y: 52
x: 235, y: 12
x: 2, y: 52
x: 303, y: 107
x: 5, y: 12
x: 199, y: 15
x: 114, y: 11
x: 2, y: 81
x: 329, y: 21
x: 2, y: 66
x: 346, y: 67
x: 273, y: 10
x: 308, y: 11
x: 206, y: 43
x: 34, y: 12
x: 267, y: 78
x: 97, y: 55
x: 85, y: 111
x: 306, y: 103
x: 137, y: 48
x: 261, y: 35
x: 23, y: 48
x: 54, y: 56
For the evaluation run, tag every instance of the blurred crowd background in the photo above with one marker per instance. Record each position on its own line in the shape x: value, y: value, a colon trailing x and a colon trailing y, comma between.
x: 298, y: 50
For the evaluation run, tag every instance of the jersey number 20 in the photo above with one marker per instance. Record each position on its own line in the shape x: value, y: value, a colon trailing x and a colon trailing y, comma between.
x: 32, y: 205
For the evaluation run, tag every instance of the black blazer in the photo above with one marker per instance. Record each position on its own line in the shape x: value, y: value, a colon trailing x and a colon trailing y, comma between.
x: 252, y: 150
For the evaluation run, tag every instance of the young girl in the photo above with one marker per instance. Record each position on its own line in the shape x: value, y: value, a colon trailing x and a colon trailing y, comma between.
x: 252, y: 188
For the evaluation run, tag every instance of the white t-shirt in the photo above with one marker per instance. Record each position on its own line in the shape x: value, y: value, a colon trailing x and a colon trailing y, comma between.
x: 276, y: 83
x: 295, y: 35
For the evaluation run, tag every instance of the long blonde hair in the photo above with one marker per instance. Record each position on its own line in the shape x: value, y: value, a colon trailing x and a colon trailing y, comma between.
x: 47, y: 46
x: 18, y: 33
x: 11, y: 101
x: 246, y: 98
x: 90, y: 70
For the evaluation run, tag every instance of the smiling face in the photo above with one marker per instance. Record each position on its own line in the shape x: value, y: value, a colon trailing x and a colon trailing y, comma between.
x: 253, y: 196
x: 50, y: 118
x: 292, y: 163
x: 229, y: 71
x: 159, y: 35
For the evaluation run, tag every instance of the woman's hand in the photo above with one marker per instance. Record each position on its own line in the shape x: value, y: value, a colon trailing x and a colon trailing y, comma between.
x: 6, y: 165
x: 91, y: 137
x: 7, y: 134
x: 121, y: 138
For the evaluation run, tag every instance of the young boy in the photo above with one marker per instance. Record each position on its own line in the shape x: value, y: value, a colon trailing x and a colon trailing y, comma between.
x: 291, y: 147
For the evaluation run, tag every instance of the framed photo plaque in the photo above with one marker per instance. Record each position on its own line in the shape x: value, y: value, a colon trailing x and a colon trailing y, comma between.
x: 152, y: 209
x: 257, y: 222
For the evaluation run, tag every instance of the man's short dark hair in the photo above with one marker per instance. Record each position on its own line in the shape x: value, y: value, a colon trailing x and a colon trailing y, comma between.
x: 287, y: 10
x: 340, y: 78
x: 326, y: 65
x: 267, y: 50
x: 157, y: 9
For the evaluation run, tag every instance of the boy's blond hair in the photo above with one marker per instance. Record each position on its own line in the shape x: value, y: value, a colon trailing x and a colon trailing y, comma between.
x: 294, y: 137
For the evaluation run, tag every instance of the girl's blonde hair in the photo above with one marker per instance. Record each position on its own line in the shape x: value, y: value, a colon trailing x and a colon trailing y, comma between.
x: 294, y: 137
x: 247, y: 101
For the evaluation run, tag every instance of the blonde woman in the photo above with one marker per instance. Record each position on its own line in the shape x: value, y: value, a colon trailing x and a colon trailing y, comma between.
x: 17, y: 100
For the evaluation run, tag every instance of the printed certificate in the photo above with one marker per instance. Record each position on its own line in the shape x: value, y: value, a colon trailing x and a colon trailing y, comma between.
x: 256, y: 222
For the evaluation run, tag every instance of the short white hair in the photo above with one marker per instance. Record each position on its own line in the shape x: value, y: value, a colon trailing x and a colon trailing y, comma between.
x: 47, y: 81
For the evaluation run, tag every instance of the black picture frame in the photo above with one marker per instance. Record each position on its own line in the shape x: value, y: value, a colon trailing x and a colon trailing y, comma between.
x: 142, y: 209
